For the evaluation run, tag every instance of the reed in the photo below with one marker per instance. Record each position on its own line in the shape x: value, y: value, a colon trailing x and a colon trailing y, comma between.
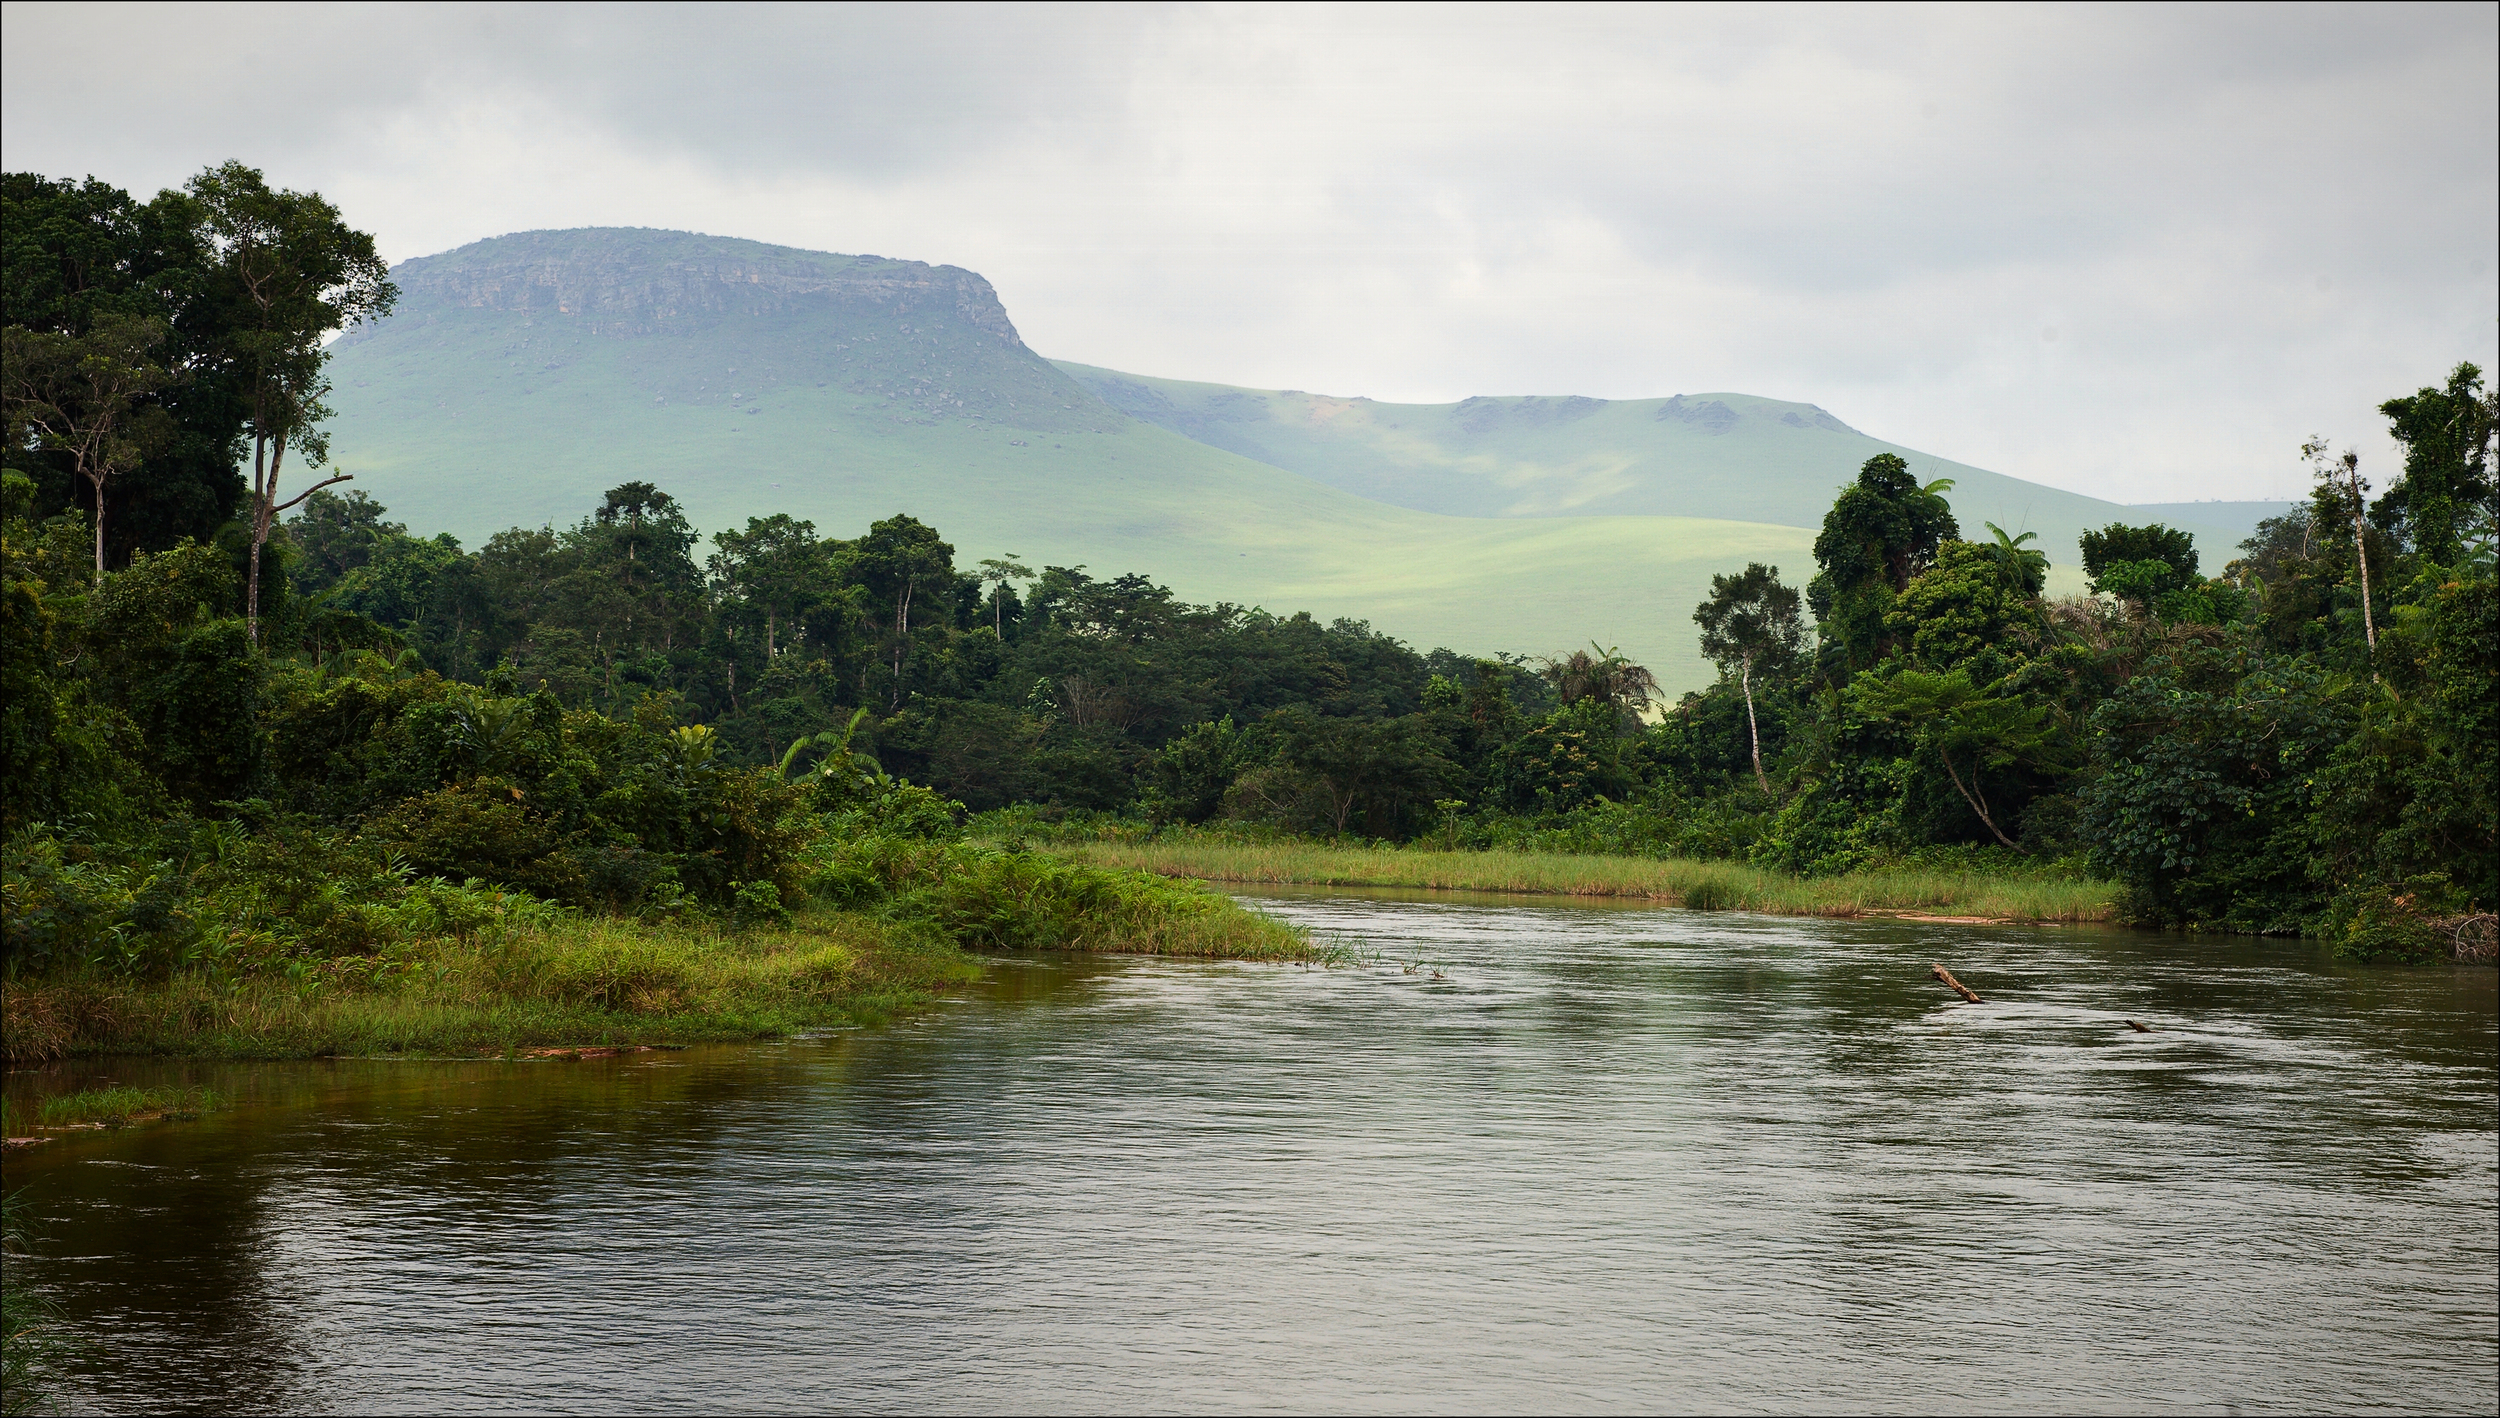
x: 1713, y: 885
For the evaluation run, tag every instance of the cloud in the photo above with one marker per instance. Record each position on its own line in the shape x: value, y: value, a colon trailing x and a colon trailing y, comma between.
x: 2137, y: 252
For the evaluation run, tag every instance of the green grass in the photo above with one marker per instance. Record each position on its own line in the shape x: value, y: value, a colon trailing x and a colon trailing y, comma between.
x: 120, y: 1107
x: 578, y: 982
x: 1711, y: 885
x: 1750, y: 459
x: 574, y: 981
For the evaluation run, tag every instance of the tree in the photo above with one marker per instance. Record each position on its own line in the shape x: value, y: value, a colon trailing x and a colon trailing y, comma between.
x: 1603, y: 674
x: 2447, y: 437
x: 1881, y: 531
x: 1953, y: 716
x: 900, y: 556
x: 82, y: 396
x: 1386, y: 766
x: 291, y: 272
x: 776, y: 567
x: 336, y: 534
x: 2139, y: 565
x: 82, y: 254
x: 2339, y: 485
x: 1751, y: 622
x: 996, y: 573
x: 2026, y: 569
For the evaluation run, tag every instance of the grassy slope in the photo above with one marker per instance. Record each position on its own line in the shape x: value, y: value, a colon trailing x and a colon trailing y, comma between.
x: 457, y: 425
x: 1529, y: 525
x: 1702, y: 455
x: 1718, y: 885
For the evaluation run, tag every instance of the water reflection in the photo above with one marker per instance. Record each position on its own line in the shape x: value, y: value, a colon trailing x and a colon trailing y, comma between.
x: 1612, y: 1158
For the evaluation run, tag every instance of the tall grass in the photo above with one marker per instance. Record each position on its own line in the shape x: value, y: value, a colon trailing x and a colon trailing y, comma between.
x: 572, y: 981
x: 991, y: 898
x: 1711, y: 885
x: 889, y: 930
x: 120, y: 1107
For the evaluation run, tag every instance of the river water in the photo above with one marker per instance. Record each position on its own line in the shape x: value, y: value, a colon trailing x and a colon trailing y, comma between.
x: 1574, y: 1158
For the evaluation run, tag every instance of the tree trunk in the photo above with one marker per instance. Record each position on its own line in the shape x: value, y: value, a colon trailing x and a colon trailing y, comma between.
x: 902, y: 638
x: 2361, y: 553
x: 1976, y: 805
x: 1745, y: 678
x: 99, y: 528
x: 260, y: 498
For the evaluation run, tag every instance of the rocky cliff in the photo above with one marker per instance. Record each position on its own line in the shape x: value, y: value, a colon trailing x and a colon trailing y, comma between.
x: 635, y: 281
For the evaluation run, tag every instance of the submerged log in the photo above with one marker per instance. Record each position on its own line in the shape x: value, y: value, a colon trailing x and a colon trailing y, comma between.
x: 1952, y: 984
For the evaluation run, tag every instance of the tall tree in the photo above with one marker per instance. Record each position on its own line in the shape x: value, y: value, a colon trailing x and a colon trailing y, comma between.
x: 1604, y: 674
x: 1751, y: 623
x: 996, y: 573
x: 74, y: 255
x: 2447, y: 437
x: 2339, y: 485
x: 1881, y: 531
x: 83, y: 396
x: 900, y: 558
x: 291, y: 272
x: 776, y: 569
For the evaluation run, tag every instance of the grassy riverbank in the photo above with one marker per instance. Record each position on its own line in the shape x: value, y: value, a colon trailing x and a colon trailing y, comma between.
x: 1730, y: 886
x: 904, y: 925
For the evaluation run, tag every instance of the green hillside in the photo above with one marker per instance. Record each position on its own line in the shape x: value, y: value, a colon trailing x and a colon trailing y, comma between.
x: 524, y: 375
x: 1696, y: 455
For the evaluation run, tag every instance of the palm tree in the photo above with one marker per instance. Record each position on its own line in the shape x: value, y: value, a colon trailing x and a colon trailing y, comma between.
x: 1602, y: 674
x: 2026, y: 569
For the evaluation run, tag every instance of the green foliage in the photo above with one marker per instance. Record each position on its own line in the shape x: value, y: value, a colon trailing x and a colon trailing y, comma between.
x: 2206, y: 775
x: 1880, y: 532
x: 2139, y: 564
x: 431, y: 741
x: 1958, y: 614
x: 2448, y: 491
x: 1199, y: 766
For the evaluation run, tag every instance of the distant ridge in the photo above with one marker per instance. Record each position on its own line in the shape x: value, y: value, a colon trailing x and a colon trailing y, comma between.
x: 526, y: 374
x: 1738, y: 457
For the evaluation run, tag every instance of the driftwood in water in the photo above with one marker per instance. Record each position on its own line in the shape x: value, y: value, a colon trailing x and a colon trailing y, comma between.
x: 1952, y: 984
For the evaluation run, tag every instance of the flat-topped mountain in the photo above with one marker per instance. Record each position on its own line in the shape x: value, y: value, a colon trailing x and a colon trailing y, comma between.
x: 524, y: 375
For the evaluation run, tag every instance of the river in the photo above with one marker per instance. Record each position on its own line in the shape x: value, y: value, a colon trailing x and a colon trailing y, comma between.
x: 1520, y: 1156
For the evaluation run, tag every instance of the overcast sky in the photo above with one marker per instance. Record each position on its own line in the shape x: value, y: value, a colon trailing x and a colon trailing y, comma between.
x: 2134, y: 252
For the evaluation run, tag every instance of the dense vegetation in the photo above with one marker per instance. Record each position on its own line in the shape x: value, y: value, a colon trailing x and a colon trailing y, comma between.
x: 242, y: 745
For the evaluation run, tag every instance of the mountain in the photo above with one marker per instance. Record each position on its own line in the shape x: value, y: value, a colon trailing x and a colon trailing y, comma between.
x: 1732, y: 456
x: 524, y: 375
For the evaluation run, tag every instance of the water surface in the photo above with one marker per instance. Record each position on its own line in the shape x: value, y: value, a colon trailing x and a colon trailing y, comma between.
x: 1574, y: 1157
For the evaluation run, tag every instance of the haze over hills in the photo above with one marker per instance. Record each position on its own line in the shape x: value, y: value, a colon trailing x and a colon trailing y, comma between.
x: 526, y: 374
x: 1717, y: 455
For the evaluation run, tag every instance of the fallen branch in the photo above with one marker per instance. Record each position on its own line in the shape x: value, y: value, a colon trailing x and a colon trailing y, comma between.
x: 1952, y: 984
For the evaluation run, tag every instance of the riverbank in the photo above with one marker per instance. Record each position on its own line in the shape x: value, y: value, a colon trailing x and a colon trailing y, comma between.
x: 1726, y: 886
x: 586, y: 981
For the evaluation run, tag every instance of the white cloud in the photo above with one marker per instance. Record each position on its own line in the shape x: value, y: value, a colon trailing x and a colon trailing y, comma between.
x: 2244, y: 225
